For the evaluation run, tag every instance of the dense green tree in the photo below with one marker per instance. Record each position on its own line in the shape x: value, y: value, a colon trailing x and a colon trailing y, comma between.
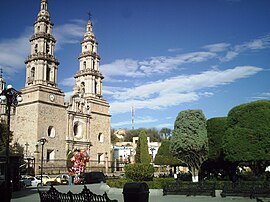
x: 247, y: 138
x: 154, y: 135
x: 142, y: 154
x: 165, y: 157
x: 151, y: 132
x: 189, y: 140
x: 216, y: 165
x: 139, y: 172
x: 216, y: 128
x: 165, y: 133
x: 3, y: 137
x: 130, y: 134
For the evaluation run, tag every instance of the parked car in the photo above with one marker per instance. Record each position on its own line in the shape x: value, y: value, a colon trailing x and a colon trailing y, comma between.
x: 93, y: 177
x: 61, y: 179
x: 35, y: 182
x: 57, y: 180
x: 26, y: 180
x: 45, y: 178
x: 31, y: 181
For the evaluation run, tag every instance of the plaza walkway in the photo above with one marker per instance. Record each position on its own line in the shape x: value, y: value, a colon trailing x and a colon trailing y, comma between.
x: 31, y: 195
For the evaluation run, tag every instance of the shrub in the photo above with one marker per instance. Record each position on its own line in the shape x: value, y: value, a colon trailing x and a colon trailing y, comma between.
x: 157, y: 183
x: 139, y: 172
x: 117, y: 183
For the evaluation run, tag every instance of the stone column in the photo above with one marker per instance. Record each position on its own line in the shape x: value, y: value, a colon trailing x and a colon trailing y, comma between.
x: 87, y: 128
x: 106, y: 163
x: 37, y: 162
x: 70, y: 126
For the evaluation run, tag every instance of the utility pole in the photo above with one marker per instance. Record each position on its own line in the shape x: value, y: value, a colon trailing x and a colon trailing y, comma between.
x: 132, y: 117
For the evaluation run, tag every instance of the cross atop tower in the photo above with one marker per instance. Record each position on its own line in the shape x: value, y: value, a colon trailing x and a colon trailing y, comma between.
x: 89, y: 15
x: 1, y: 72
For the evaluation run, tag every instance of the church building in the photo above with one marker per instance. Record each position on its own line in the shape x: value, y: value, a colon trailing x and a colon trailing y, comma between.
x: 83, y: 122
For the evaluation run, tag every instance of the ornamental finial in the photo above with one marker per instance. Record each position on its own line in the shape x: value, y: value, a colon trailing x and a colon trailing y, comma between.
x: 89, y: 15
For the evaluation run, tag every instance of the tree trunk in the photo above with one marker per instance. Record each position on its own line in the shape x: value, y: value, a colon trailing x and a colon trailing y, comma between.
x: 258, y: 167
x: 195, y: 174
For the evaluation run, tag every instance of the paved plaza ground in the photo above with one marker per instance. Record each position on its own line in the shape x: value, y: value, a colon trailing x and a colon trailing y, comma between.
x: 31, y: 194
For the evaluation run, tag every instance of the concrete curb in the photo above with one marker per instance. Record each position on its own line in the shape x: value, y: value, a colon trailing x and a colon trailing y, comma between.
x: 153, y: 192
x: 156, y: 192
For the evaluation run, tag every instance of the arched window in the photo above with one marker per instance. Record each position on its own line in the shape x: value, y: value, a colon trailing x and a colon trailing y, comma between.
x: 78, y: 129
x: 47, y: 48
x: 48, y: 71
x: 51, y: 132
x: 96, y: 85
x: 82, y: 87
x: 33, y: 72
x: 94, y: 64
x: 84, y: 65
x: 36, y: 48
x: 100, y: 137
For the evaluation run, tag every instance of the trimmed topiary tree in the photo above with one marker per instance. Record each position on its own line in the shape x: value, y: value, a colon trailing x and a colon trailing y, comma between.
x: 139, y: 172
x: 216, y: 128
x: 247, y: 138
x: 189, y: 141
x: 142, y: 154
x: 165, y: 157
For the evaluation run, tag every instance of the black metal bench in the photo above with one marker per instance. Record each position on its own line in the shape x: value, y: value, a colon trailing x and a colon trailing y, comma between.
x: 246, y: 189
x: 52, y: 195
x: 205, y: 189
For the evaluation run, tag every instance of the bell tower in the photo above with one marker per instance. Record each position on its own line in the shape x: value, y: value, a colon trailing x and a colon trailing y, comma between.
x: 41, y: 64
x: 88, y: 111
x: 89, y: 78
x: 42, y: 113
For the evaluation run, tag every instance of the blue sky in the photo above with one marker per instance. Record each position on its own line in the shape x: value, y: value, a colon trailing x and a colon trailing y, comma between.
x: 159, y: 56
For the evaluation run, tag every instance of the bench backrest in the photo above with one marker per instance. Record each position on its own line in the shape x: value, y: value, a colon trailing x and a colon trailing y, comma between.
x: 52, y: 195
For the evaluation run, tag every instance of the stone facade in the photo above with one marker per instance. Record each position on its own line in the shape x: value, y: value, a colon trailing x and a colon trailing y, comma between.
x: 84, y: 122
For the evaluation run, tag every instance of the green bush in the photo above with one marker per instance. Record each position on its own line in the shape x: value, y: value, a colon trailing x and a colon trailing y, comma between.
x: 139, y: 172
x: 117, y: 183
x: 157, y: 183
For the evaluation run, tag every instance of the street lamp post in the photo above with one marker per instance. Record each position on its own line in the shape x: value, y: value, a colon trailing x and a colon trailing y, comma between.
x: 42, y: 141
x: 26, y: 149
x: 10, y: 97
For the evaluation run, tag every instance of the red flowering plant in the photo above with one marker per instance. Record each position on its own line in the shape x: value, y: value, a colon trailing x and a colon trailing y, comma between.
x: 79, y: 159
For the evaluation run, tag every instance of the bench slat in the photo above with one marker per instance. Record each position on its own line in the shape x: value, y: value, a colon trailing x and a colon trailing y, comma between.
x: 52, y: 195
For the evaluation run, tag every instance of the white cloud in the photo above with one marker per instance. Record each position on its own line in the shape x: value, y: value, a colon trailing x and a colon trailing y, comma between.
x: 165, y: 125
x: 70, y: 33
x: 266, y: 94
x: 137, y: 121
x: 158, y: 102
x: 153, y: 65
x: 68, y: 95
x: 174, y: 49
x: 218, y: 47
x: 262, y: 96
x: 177, y: 90
x: 110, y: 90
x: 256, y: 44
x: 126, y: 67
x: 68, y: 82
x: 13, y: 51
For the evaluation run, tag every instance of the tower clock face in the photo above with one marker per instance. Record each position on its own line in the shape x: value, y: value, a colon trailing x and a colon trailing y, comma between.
x: 52, y: 97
